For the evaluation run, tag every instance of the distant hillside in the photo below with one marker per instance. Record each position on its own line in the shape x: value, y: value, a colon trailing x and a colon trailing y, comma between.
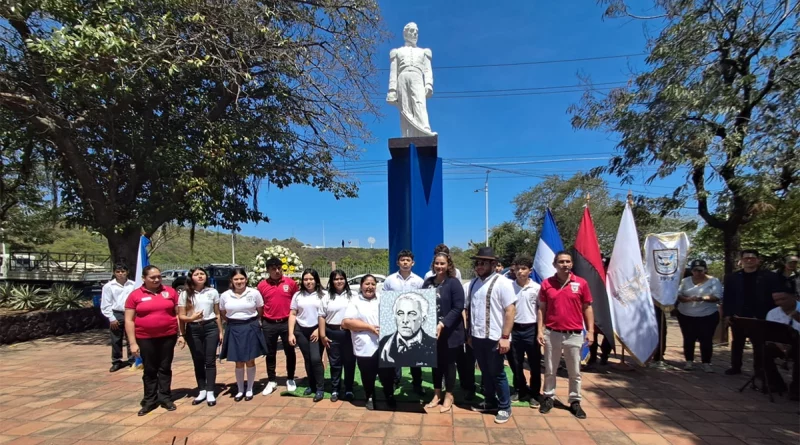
x: 215, y: 247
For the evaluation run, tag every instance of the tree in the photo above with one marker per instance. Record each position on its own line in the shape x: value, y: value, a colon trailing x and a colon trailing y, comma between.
x: 719, y: 102
x: 179, y: 110
x: 509, y: 240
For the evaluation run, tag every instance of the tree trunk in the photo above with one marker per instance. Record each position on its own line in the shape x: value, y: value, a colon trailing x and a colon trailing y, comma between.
x: 124, y: 249
x: 732, y: 244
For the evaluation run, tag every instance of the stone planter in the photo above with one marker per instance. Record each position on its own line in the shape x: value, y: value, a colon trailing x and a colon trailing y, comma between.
x: 40, y: 324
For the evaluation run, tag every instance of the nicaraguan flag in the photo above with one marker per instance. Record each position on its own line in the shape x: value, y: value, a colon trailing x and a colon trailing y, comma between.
x: 632, y: 315
x: 549, y: 244
x: 141, y: 262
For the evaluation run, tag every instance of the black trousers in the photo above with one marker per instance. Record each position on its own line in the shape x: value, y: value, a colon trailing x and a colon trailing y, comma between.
x: 698, y: 329
x: 605, y: 347
x: 203, y: 340
x: 774, y: 377
x: 271, y: 333
x: 662, y: 332
x: 368, y: 366
x: 518, y: 380
x: 157, y: 354
x: 116, y: 340
x: 446, y: 366
x: 416, y: 375
x: 737, y: 350
x: 312, y: 357
x: 340, y: 355
x: 465, y: 365
x: 523, y: 342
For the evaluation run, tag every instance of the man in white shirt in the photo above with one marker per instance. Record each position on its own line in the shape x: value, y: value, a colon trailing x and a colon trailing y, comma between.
x: 405, y: 280
x: 112, y: 306
x: 490, y: 304
x: 525, y: 330
x: 787, y: 313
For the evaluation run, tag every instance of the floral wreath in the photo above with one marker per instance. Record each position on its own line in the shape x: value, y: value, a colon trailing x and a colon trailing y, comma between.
x: 290, y: 263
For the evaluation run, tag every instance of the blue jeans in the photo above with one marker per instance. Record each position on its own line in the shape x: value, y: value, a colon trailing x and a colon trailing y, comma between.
x: 495, y: 383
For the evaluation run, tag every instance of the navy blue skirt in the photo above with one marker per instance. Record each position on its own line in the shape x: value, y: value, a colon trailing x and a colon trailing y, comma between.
x: 243, y: 341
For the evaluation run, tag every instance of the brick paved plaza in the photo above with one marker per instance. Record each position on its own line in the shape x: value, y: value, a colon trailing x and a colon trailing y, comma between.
x: 59, y: 391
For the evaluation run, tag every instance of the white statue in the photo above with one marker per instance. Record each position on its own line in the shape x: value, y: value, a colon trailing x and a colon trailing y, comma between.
x: 410, y: 83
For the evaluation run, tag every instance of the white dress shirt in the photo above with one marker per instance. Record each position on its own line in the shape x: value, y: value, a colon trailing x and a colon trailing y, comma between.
x: 204, y: 302
x: 527, y: 302
x: 365, y: 343
x: 778, y: 316
x: 430, y: 273
x: 333, y: 309
x: 502, y: 297
x: 396, y: 281
x: 244, y: 307
x: 307, y: 307
x: 687, y: 288
x: 114, y: 296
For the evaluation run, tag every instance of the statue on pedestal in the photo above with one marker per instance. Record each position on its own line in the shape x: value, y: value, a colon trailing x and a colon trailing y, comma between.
x: 411, y: 83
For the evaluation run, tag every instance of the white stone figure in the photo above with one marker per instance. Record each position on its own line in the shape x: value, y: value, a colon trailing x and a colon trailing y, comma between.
x: 411, y: 83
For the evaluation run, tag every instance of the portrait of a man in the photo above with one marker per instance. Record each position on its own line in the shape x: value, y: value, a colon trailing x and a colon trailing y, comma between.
x: 406, y: 322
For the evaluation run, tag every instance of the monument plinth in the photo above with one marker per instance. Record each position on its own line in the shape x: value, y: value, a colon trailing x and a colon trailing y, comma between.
x: 416, y: 218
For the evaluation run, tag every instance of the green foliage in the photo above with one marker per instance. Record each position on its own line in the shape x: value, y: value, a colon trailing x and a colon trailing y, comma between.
x: 180, y: 110
x: 5, y: 293
x: 509, y: 240
x: 718, y: 103
x: 26, y: 298
x: 64, y: 298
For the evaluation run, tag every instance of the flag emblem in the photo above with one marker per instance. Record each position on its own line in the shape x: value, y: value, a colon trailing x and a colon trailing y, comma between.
x: 575, y: 287
x: 165, y: 294
x: 286, y: 288
x: 666, y: 261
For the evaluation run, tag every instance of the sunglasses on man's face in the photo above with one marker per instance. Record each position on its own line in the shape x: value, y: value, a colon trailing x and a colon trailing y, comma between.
x: 481, y: 263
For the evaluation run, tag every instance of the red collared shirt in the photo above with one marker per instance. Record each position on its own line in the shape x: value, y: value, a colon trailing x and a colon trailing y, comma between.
x: 155, y: 312
x: 277, y: 297
x: 565, y: 302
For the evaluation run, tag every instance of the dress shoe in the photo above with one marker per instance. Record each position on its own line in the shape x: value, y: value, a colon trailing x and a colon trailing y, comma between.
x: 335, y: 397
x: 370, y: 405
x: 169, y: 406
x: 238, y: 397
x: 116, y: 367
x: 212, y: 403
x: 319, y: 396
x: 145, y: 410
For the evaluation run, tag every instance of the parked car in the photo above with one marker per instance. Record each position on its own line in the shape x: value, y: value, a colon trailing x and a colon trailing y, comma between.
x: 169, y: 276
x: 219, y: 276
x: 355, y: 282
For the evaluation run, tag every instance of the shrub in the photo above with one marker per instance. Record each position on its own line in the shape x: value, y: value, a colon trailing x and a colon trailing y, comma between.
x: 63, y: 297
x: 5, y: 293
x: 26, y: 298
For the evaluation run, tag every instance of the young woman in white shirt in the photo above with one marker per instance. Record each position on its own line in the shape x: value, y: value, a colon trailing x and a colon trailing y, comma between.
x: 362, y: 319
x: 198, y: 311
x: 303, y: 330
x: 698, y: 313
x: 335, y: 338
x: 243, y: 341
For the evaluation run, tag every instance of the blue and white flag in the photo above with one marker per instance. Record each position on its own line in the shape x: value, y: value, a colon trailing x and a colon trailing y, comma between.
x: 549, y: 244
x: 632, y: 313
x: 142, y: 261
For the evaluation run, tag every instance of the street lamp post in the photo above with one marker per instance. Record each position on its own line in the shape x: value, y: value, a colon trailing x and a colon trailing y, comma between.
x: 486, y: 195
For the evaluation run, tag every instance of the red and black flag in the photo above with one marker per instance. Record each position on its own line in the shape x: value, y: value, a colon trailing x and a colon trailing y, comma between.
x: 588, y: 264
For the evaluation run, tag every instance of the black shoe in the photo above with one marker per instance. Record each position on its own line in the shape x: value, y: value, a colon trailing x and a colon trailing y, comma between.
x: 483, y: 407
x: 603, y: 360
x: 214, y: 403
x: 116, y: 367
x: 419, y: 389
x: 319, y: 396
x: 576, y: 410
x: 334, y: 397
x: 238, y: 397
x: 391, y: 402
x: 733, y: 371
x: 198, y: 401
x: 169, y: 406
x: 546, y: 406
x: 515, y: 397
x: 247, y: 398
x: 370, y: 405
x: 349, y: 396
x: 146, y: 409
x: 308, y: 392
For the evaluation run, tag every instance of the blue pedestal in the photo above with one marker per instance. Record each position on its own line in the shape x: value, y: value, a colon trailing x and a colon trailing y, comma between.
x: 416, y: 220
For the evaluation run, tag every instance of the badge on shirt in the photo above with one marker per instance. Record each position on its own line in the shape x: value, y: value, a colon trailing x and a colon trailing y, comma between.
x: 147, y: 298
x: 575, y: 287
x: 286, y: 288
x: 165, y: 294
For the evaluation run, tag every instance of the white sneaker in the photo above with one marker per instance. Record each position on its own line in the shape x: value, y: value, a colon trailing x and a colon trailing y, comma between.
x: 688, y: 366
x: 707, y: 367
x: 269, y: 389
x: 291, y: 386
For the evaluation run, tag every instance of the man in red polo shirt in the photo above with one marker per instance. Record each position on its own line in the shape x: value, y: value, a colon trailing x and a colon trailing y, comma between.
x: 277, y: 291
x: 565, y: 307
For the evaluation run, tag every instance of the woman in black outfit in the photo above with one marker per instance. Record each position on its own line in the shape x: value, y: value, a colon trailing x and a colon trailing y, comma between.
x: 449, y: 330
x: 336, y: 339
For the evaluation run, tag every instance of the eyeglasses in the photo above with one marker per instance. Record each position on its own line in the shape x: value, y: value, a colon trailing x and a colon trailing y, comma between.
x: 481, y: 262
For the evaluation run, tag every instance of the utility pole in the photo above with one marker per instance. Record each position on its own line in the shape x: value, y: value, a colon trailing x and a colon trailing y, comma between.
x: 233, y: 247
x: 486, y: 194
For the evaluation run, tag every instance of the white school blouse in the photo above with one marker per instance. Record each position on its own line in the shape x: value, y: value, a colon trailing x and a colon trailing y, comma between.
x: 244, y: 307
x: 204, y: 301
x: 333, y: 309
x: 307, y: 307
x: 365, y: 343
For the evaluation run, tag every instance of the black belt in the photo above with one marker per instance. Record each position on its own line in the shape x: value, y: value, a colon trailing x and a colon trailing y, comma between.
x: 333, y: 327
x: 118, y: 312
x: 278, y: 321
x: 566, y: 332
x: 522, y: 326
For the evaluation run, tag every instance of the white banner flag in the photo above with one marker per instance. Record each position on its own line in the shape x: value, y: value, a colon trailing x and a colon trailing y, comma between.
x: 632, y: 312
x: 665, y: 259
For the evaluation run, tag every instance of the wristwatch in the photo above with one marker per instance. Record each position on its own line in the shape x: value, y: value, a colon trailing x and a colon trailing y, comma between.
x: 505, y: 337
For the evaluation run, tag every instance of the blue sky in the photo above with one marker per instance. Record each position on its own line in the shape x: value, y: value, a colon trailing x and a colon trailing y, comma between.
x: 514, y: 129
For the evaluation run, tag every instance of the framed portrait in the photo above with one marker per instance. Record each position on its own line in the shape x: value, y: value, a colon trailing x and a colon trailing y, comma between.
x: 408, y: 329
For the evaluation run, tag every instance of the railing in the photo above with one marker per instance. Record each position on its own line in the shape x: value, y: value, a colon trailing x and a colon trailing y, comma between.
x: 55, y: 262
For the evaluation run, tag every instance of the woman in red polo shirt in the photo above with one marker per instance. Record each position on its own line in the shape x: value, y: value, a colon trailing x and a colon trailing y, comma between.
x: 152, y: 325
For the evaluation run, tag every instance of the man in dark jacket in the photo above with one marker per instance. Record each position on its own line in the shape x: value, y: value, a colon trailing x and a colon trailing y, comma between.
x: 747, y: 294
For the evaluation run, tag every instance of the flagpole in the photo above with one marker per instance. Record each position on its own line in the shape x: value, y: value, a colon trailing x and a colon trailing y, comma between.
x: 622, y: 365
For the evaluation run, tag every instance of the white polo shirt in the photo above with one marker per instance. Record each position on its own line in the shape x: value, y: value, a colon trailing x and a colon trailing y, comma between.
x: 114, y: 296
x: 430, y: 273
x: 396, y: 281
x: 527, y: 302
x: 333, y: 309
x: 243, y: 307
x: 502, y: 297
x: 778, y: 316
x: 365, y: 343
x: 308, y: 307
x: 204, y: 301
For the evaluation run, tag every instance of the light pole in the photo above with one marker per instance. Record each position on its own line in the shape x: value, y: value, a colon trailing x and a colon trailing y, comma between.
x: 486, y: 194
x: 233, y: 247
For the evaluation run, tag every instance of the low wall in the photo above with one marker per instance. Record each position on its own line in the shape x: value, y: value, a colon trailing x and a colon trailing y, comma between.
x: 34, y: 325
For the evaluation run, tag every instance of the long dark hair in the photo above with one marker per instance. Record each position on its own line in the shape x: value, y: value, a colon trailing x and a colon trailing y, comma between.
x: 332, y: 289
x: 317, y: 282
x: 237, y: 271
x: 191, y: 289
